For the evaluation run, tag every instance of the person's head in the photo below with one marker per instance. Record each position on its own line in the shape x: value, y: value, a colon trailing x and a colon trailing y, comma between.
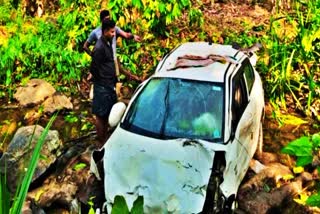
x: 108, y: 28
x: 104, y: 14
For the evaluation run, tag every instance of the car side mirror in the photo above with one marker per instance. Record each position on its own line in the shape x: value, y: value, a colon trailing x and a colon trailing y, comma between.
x: 253, y: 59
x: 116, y: 113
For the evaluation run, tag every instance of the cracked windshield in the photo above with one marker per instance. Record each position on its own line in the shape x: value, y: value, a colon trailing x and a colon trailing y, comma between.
x: 177, y: 108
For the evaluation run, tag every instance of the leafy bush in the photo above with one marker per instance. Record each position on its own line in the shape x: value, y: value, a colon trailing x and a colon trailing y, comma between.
x: 154, y: 15
x: 120, y: 206
x: 303, y: 148
x: 153, y: 20
x: 293, y: 45
x: 306, y: 150
x: 47, y: 47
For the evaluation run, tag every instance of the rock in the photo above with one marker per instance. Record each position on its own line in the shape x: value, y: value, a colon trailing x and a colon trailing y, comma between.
x: 270, y: 202
x: 26, y: 209
x: 20, y: 151
x: 269, y: 192
x: 267, y: 157
x: 38, y: 92
x: 31, y: 116
x: 35, y: 92
x: 270, y: 174
x: 56, y: 102
x: 63, y: 187
x: 278, y: 200
x: 48, y: 194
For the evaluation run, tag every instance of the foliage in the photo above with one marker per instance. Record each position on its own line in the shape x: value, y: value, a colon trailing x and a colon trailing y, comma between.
x: 91, y: 204
x: 305, y: 149
x: 294, y: 50
x: 120, y: 206
x: 4, y: 195
x: 22, y: 189
x: 314, y: 200
x: 153, y: 20
x: 153, y: 15
x: 46, y: 47
x: 50, y: 47
x: 5, y: 15
x: 71, y: 118
x: 302, y: 148
x: 285, y: 118
x: 79, y: 166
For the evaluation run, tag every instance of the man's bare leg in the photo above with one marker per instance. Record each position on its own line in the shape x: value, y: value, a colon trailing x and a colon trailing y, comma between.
x: 102, y: 128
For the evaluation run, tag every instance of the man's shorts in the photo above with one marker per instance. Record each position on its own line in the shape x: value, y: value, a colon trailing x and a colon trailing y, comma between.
x: 104, y: 97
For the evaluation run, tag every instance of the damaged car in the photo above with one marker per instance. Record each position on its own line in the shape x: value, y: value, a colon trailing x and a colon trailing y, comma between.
x: 185, y: 139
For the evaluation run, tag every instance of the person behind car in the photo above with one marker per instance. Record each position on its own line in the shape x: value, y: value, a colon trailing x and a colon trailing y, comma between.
x: 95, y: 35
x: 104, y: 79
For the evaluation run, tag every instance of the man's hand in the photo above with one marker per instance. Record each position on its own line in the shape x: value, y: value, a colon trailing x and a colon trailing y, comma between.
x: 87, y: 49
x: 129, y: 75
x: 136, y: 38
x: 89, y: 77
x: 134, y: 77
x: 118, y: 89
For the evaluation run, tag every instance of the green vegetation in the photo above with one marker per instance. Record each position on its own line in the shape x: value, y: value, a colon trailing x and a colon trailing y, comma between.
x: 9, y: 205
x: 120, y: 206
x: 294, y: 49
x: 306, y: 150
x: 46, y: 47
x: 50, y: 46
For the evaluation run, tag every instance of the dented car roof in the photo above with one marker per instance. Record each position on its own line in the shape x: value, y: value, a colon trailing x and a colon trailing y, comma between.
x: 208, y: 62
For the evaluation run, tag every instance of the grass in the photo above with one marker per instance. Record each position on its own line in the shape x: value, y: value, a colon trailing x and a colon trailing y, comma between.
x: 14, y: 205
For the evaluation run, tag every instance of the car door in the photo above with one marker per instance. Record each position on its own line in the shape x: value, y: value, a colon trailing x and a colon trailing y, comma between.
x: 237, y: 155
x: 244, y: 116
x: 255, y: 104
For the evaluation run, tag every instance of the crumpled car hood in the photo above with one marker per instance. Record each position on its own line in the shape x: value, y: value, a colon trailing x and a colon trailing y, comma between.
x: 171, y: 175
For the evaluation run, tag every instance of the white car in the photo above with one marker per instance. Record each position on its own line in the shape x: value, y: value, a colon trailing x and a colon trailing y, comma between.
x: 185, y: 140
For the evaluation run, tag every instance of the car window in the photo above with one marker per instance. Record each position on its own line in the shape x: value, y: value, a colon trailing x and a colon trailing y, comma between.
x: 176, y: 108
x: 147, y: 112
x: 239, y: 98
x: 249, y: 75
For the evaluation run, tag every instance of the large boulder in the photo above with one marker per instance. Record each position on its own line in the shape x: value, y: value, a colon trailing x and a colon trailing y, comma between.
x: 269, y: 191
x: 56, y: 102
x: 69, y: 182
x: 20, y: 151
x: 39, y: 92
x: 34, y: 92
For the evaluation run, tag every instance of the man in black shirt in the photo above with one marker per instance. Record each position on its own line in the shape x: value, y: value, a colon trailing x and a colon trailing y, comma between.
x: 104, y: 79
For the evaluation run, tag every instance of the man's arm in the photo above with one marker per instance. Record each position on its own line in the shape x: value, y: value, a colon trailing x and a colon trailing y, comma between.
x: 91, y: 40
x: 128, y: 74
x: 127, y: 35
x: 86, y: 48
x: 131, y: 76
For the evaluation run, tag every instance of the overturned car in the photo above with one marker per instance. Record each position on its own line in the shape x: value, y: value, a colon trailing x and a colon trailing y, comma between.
x: 185, y: 140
